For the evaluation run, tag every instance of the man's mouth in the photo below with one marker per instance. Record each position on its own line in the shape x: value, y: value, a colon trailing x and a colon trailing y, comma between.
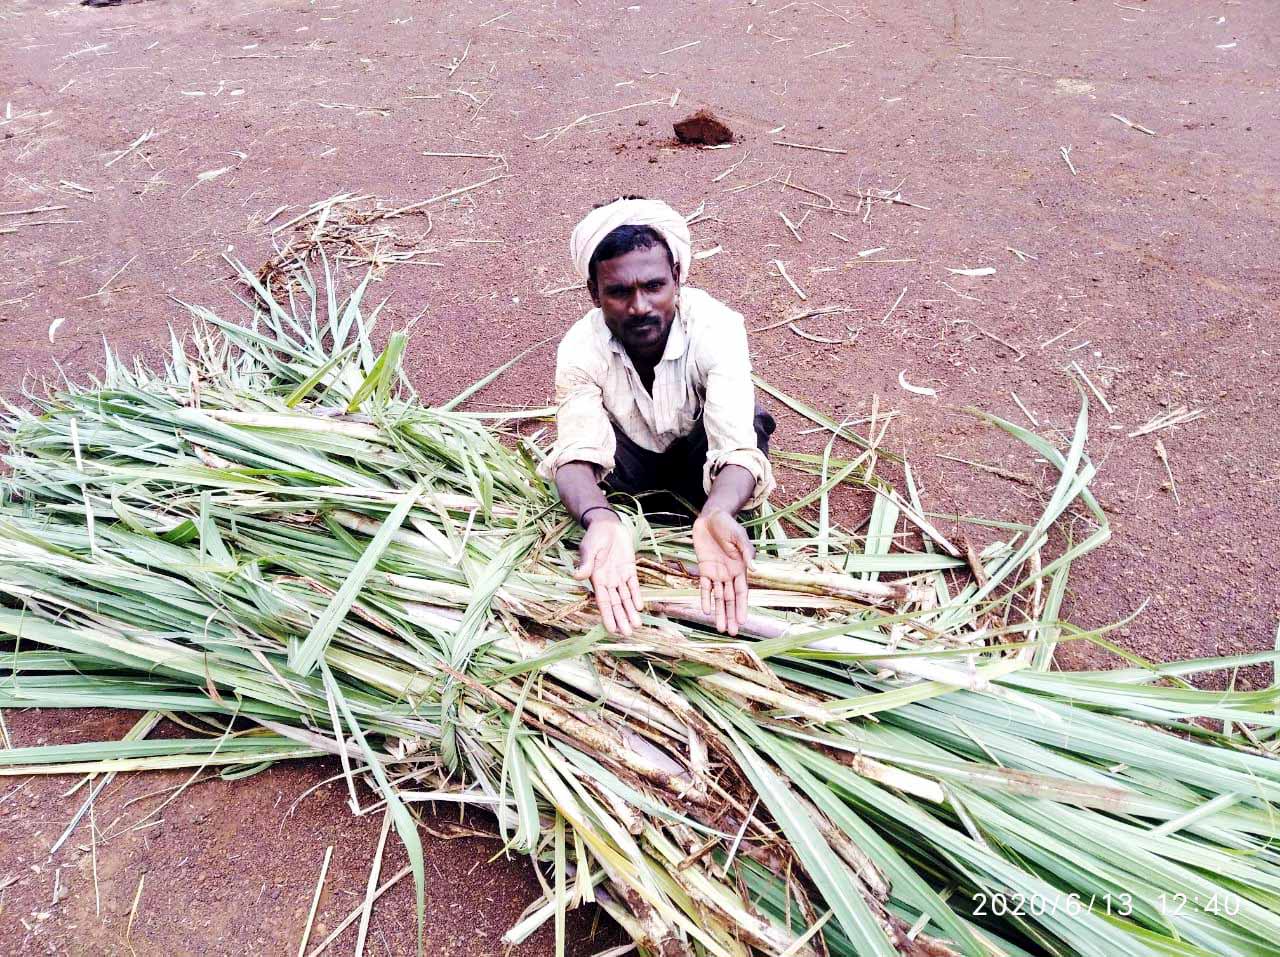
x: 644, y: 327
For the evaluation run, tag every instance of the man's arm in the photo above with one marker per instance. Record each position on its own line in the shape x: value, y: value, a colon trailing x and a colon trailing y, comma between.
x: 737, y: 473
x: 579, y: 490
x: 730, y: 490
x: 582, y: 453
x: 724, y: 549
x: 606, y: 555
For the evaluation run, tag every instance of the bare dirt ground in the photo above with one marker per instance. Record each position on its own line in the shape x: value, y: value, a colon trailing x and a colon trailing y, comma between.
x: 1151, y: 265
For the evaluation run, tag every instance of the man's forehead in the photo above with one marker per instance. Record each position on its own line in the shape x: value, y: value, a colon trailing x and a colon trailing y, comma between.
x: 638, y: 265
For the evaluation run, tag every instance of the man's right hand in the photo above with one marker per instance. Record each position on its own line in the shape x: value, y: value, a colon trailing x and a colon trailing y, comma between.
x: 608, y: 559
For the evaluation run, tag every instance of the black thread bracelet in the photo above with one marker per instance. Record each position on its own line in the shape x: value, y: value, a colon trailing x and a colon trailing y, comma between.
x: 582, y: 519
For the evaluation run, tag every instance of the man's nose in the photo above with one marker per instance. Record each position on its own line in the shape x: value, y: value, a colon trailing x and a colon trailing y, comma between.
x: 639, y: 304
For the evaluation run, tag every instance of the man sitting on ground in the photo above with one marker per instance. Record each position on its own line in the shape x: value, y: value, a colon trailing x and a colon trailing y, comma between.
x: 654, y: 394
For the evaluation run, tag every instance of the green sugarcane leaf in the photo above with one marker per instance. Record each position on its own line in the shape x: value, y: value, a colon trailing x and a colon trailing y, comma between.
x: 384, y: 372
x: 304, y: 659
x: 405, y: 825
x: 305, y: 388
x: 829, y: 874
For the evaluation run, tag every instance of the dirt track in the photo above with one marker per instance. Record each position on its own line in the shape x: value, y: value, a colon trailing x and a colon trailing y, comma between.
x: 1152, y: 267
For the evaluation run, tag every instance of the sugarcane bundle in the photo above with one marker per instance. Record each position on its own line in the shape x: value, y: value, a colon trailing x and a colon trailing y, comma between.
x: 275, y: 537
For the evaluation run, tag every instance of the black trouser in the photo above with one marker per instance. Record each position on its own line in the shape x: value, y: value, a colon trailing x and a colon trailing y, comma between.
x: 662, y: 479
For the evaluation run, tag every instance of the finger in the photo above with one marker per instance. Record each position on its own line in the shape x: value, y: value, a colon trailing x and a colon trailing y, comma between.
x: 621, y: 613
x: 605, y: 603
x: 706, y: 595
x: 617, y: 610
x: 586, y: 567
x: 740, y: 587
x: 730, y: 610
x: 636, y: 600
x: 620, y: 616
x: 718, y: 603
x: 627, y: 598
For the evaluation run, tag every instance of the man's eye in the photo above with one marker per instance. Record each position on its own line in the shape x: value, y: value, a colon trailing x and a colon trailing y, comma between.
x: 654, y: 286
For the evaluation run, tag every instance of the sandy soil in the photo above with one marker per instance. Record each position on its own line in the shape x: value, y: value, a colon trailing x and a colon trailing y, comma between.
x: 1151, y: 266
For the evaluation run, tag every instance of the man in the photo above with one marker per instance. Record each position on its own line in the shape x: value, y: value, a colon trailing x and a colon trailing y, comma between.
x: 654, y: 394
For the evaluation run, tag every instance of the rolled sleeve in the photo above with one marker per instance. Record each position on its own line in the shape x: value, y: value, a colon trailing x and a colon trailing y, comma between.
x: 729, y: 414
x: 583, y: 430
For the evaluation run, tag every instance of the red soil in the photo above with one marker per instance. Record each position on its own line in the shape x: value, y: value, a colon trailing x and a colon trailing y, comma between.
x: 1152, y: 268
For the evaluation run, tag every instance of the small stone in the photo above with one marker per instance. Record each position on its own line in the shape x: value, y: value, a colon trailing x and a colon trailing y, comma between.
x: 703, y: 128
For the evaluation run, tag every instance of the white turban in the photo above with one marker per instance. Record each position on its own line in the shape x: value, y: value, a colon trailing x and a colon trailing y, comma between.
x: 599, y: 223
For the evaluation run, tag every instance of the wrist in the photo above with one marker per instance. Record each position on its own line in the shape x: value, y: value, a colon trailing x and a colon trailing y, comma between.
x: 598, y: 513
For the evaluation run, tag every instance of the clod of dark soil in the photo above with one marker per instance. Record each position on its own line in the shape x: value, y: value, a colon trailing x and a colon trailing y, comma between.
x: 106, y: 3
x: 703, y: 128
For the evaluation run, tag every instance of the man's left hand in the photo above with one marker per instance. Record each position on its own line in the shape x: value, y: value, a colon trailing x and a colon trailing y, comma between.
x: 724, y: 552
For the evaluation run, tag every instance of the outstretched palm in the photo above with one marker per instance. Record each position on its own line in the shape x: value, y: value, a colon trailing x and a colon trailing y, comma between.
x: 724, y: 551
x: 608, y: 559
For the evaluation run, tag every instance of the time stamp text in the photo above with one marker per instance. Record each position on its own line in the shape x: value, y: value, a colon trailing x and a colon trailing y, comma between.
x: 997, y: 904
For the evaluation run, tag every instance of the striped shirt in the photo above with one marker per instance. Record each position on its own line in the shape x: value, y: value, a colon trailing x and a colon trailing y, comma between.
x: 704, y: 371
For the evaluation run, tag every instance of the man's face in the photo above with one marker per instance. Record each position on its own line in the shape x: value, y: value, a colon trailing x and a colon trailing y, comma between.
x: 637, y: 294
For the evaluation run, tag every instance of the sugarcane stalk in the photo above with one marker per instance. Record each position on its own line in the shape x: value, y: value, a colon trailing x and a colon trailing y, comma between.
x: 716, y: 897
x: 758, y: 626
x: 653, y: 766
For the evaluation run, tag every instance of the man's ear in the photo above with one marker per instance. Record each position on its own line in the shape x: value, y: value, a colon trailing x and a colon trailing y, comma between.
x: 593, y: 292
